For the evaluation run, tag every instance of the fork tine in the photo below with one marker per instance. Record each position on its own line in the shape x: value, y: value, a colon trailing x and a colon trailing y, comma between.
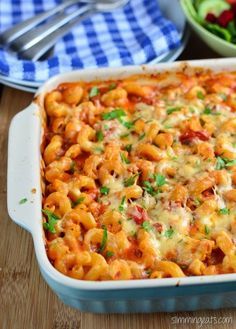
x: 41, y: 47
x: 38, y: 50
x: 19, y: 29
x: 34, y: 36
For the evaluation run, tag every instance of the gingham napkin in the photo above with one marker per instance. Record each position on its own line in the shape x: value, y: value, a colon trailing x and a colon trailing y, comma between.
x: 134, y: 34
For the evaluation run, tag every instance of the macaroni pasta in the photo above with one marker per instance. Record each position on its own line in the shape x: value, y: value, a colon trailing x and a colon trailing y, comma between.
x: 140, y: 176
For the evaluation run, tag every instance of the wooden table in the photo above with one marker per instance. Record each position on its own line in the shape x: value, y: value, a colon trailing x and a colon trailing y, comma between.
x: 26, y: 302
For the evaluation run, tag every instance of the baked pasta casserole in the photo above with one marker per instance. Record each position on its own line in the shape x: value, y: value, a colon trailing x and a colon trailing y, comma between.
x: 139, y: 176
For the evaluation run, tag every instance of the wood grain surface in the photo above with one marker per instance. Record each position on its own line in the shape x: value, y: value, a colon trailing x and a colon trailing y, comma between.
x: 26, y: 302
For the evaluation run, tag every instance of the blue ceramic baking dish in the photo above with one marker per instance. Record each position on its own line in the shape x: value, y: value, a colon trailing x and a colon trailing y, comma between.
x: 24, y: 181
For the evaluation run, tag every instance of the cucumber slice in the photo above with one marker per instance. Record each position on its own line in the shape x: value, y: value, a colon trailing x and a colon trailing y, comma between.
x: 189, y: 7
x: 197, y: 3
x: 212, y: 6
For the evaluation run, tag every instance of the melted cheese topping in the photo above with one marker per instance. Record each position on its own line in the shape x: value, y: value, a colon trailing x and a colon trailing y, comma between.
x: 156, y: 162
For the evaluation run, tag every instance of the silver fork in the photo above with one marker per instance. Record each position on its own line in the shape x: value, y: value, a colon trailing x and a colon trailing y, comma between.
x: 33, y: 44
x: 19, y: 29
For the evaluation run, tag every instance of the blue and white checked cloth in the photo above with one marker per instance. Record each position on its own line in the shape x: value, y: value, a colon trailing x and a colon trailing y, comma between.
x: 134, y: 34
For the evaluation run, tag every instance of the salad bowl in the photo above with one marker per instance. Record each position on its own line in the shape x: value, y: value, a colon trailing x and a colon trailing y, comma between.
x: 217, y: 38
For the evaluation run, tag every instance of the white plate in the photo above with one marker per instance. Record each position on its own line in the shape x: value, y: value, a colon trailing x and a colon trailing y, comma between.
x: 172, y: 10
x: 17, y: 86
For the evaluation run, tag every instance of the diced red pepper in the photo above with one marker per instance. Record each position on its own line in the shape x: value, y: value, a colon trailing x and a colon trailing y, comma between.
x: 94, y: 192
x: 133, y: 252
x: 211, y: 18
x: 138, y: 214
x: 189, y: 135
x: 208, y: 193
x: 102, y: 208
x: 137, y: 99
x: 158, y: 227
x: 81, y: 159
x: 216, y: 257
x: 112, y: 130
x: 225, y: 17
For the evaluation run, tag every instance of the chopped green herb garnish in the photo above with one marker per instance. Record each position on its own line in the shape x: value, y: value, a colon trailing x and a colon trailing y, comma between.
x: 122, y: 204
x: 169, y: 153
x: 78, y: 201
x: 98, y: 150
x: 99, y: 135
x: 124, y: 135
x: 109, y: 254
x: 197, y: 202
x: 223, y: 96
x: 146, y: 226
x: 104, y: 190
x: 220, y: 164
x: 197, y: 163
x: 22, y: 201
x: 159, y: 179
x: 224, y: 162
x: 115, y: 114
x: 124, y: 159
x: 207, y: 230
x: 133, y: 233
x: 230, y: 163
x: 113, y: 85
x: 52, y: 220
x: 72, y: 168
x: 169, y: 233
x: 141, y: 137
x: 135, y: 120
x: 148, y: 188
x: 130, y: 181
x: 148, y: 271
x: 224, y: 211
x: 208, y: 111
x: 234, y: 145
x: 167, y: 126
x: 200, y: 95
x: 127, y: 124
x: 104, y: 239
x: 94, y: 91
x: 128, y: 147
x: 173, y: 109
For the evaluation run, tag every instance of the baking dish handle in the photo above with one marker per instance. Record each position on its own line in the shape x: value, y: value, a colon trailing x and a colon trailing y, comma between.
x: 23, y: 176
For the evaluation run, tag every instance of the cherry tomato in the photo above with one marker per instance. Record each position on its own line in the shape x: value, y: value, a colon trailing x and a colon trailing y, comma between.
x: 189, y: 135
x: 138, y: 214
